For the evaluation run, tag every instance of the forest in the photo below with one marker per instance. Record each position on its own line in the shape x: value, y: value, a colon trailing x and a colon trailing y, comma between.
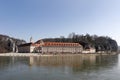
x: 100, y: 43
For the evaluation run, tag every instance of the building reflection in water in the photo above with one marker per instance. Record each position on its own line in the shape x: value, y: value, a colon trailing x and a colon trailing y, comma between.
x: 76, y: 62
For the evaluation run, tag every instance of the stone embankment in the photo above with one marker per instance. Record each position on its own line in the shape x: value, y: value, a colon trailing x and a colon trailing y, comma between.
x: 38, y: 54
x: 19, y: 54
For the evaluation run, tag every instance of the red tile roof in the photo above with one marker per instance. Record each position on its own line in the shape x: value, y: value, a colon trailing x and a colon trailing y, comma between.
x: 60, y: 44
x: 50, y: 44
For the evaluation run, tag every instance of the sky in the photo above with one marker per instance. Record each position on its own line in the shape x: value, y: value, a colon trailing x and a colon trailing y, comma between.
x: 54, y: 18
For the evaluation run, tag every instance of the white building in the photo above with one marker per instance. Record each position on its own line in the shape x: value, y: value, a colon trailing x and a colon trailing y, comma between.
x: 90, y: 50
x: 50, y: 47
x: 60, y: 47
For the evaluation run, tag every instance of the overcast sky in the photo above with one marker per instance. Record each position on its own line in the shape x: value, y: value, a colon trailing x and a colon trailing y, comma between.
x: 53, y: 18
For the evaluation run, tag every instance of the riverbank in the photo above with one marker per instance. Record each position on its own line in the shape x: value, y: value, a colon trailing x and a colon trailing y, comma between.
x: 37, y: 54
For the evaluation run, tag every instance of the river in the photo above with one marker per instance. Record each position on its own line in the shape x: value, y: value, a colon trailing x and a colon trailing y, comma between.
x: 76, y: 67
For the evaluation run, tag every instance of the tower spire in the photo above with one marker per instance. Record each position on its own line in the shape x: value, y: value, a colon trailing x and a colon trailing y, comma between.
x: 31, y: 39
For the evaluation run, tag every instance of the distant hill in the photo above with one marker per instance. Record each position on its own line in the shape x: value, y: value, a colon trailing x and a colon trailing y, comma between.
x: 9, y: 44
x: 100, y: 43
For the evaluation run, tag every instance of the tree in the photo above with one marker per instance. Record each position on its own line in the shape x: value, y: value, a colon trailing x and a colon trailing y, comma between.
x: 100, y: 43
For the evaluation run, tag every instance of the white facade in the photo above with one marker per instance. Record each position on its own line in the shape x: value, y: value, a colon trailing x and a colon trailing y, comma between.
x: 91, y: 50
x: 61, y: 49
x: 50, y: 47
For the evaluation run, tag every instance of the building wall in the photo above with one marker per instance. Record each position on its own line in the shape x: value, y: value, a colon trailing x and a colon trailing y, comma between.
x: 92, y: 50
x: 24, y: 49
x: 60, y: 49
x: 51, y: 48
x: 32, y: 49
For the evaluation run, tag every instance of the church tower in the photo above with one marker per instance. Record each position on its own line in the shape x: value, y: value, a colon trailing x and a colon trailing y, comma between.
x: 31, y: 39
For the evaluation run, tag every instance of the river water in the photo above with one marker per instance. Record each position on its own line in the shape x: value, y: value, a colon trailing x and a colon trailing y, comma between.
x: 69, y: 67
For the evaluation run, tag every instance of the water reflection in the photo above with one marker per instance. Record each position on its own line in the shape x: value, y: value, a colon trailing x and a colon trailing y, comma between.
x: 69, y: 67
x: 76, y: 62
x: 12, y: 61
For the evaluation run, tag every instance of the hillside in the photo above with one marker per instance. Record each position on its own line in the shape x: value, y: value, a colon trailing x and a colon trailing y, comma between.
x: 9, y: 44
x: 100, y: 43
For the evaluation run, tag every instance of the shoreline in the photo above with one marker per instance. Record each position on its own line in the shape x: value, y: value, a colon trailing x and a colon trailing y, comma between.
x: 38, y: 55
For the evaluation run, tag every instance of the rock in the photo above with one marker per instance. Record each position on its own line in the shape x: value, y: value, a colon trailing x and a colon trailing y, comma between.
x: 9, y: 44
